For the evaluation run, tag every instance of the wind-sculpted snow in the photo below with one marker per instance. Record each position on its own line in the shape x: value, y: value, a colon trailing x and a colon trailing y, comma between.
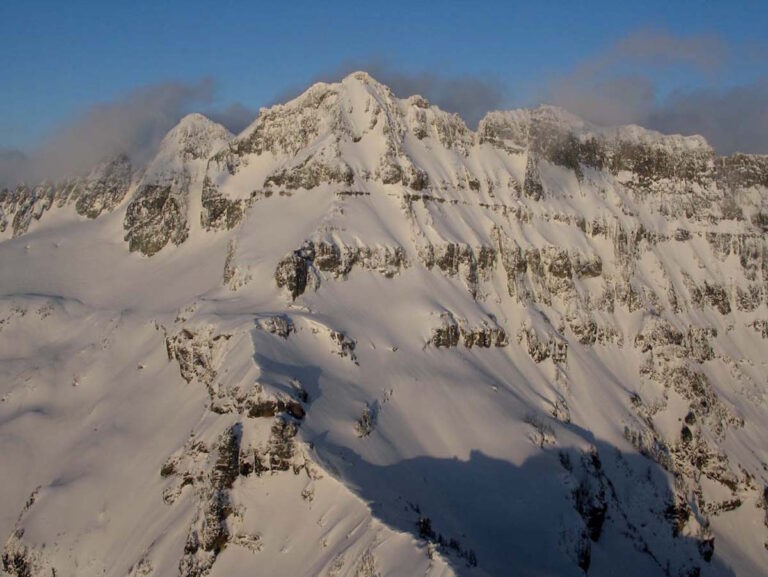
x: 361, y: 339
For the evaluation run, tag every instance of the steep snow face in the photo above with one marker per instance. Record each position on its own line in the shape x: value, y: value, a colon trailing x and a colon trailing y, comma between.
x: 370, y: 341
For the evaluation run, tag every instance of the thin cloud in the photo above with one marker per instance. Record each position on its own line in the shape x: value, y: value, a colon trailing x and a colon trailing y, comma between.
x: 235, y: 117
x: 13, y: 166
x: 133, y: 124
x: 605, y: 101
x: 707, y: 53
x: 615, y: 86
x: 732, y: 120
x: 619, y: 86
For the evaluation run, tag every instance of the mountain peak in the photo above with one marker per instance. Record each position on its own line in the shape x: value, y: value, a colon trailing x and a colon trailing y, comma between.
x: 359, y: 300
x: 362, y: 77
x: 194, y: 137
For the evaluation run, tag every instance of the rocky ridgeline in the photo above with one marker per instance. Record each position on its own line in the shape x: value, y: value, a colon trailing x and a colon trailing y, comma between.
x: 208, y: 534
x: 212, y: 470
x: 278, y: 325
x: 553, y: 134
x: 102, y: 190
x: 677, y: 177
x: 309, y: 130
x: 674, y: 176
x: 650, y: 159
x: 211, y: 473
x: 673, y: 366
x: 197, y: 352
x: 157, y: 213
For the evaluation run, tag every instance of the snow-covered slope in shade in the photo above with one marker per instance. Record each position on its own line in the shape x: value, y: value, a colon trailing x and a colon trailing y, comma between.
x: 361, y: 339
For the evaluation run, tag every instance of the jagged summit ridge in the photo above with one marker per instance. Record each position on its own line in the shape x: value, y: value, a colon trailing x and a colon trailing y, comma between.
x: 357, y: 131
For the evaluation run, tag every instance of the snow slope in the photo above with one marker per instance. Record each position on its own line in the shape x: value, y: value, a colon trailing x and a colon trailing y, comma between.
x: 360, y: 339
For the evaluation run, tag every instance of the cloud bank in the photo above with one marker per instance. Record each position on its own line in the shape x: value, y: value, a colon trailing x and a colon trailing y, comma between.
x: 133, y: 124
x: 618, y: 86
x: 732, y: 120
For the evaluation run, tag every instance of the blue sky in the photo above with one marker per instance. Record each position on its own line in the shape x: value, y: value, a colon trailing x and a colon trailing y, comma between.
x: 60, y: 58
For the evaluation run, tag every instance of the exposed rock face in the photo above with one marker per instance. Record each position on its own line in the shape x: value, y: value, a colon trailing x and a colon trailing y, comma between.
x: 567, y: 141
x: 344, y: 346
x: 340, y: 260
x: 297, y: 133
x: 539, y: 274
x: 279, y: 325
x: 212, y: 470
x: 156, y: 217
x: 452, y: 259
x: 292, y: 274
x: 541, y: 348
x: 280, y: 451
x: 196, y: 352
x: 295, y: 270
x: 448, y: 334
x: 742, y: 171
x: 105, y: 187
x: 310, y: 174
x: 673, y: 356
x: 532, y: 187
x: 208, y: 534
x: 22, y: 205
x: 367, y: 421
x: 233, y: 275
x: 589, y: 497
x: 483, y: 336
x: 219, y: 213
x: 158, y: 213
x: 272, y: 406
x: 19, y: 560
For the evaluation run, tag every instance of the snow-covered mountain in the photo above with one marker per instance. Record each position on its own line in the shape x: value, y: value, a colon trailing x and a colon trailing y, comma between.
x: 359, y: 339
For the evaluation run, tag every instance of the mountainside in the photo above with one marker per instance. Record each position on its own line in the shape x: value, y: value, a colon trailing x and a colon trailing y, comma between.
x: 360, y: 339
